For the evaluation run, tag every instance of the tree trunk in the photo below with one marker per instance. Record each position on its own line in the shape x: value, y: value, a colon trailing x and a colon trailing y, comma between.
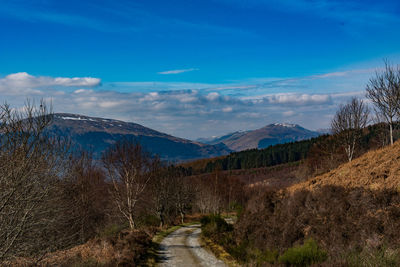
x: 162, y: 222
x: 182, y: 217
x: 391, y: 132
x: 131, y: 222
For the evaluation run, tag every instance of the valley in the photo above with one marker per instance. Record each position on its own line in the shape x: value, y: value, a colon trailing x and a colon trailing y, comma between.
x: 252, y: 133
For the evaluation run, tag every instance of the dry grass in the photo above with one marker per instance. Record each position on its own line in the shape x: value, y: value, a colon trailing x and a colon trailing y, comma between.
x: 354, y: 207
x: 375, y: 170
x: 126, y: 249
x: 219, y: 252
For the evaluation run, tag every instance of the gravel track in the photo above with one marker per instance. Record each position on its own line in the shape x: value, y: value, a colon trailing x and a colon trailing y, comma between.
x: 182, y: 248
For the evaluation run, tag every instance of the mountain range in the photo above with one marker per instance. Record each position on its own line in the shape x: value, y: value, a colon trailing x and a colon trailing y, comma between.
x: 271, y: 134
x: 97, y: 134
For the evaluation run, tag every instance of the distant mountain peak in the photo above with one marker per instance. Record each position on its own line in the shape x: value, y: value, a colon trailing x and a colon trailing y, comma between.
x: 289, y: 125
x: 276, y: 133
x: 97, y: 134
x: 78, y: 117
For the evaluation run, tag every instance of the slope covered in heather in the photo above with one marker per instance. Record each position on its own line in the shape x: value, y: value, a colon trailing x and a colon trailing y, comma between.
x: 352, y: 212
x: 378, y: 169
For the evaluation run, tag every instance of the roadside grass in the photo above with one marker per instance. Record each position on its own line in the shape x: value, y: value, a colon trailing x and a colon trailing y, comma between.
x: 218, y: 251
x: 215, y: 233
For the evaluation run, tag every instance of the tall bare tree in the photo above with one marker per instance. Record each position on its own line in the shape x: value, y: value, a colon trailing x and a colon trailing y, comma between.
x: 162, y: 193
x: 384, y: 92
x: 84, y: 194
x: 31, y: 163
x: 183, y: 194
x: 348, y: 123
x: 130, y: 168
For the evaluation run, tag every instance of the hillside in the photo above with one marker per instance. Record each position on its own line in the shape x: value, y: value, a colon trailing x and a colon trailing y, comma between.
x: 375, y: 170
x: 271, y: 134
x: 351, y: 212
x: 97, y: 134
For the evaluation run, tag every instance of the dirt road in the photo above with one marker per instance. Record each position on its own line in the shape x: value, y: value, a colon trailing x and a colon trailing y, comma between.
x: 182, y: 248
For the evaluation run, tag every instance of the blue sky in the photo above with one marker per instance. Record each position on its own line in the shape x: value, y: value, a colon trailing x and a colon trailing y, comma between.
x: 195, y: 68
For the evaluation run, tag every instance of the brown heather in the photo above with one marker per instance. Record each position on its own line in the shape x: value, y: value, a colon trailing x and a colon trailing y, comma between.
x: 128, y: 248
x: 352, y: 209
x: 375, y: 170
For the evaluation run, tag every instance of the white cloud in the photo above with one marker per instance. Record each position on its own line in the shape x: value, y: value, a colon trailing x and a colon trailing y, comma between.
x: 83, y: 91
x: 25, y: 81
x: 110, y: 104
x: 288, y: 113
x: 212, y: 96
x: 299, y: 99
x: 85, y: 81
x: 177, y: 71
x: 227, y: 109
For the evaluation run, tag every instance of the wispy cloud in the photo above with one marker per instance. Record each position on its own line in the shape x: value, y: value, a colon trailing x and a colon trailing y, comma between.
x: 32, y: 12
x: 345, y: 11
x: 300, y: 99
x: 177, y: 71
x: 342, y: 73
x: 113, y: 17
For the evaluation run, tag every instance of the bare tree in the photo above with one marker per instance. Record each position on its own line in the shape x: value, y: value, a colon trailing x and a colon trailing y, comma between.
x: 383, y: 136
x: 84, y: 194
x: 182, y: 195
x: 31, y: 163
x: 384, y: 92
x: 130, y: 169
x: 162, y: 193
x: 348, y: 123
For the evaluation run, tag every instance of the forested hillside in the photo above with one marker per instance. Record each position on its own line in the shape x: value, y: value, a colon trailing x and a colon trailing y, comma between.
x: 322, y: 153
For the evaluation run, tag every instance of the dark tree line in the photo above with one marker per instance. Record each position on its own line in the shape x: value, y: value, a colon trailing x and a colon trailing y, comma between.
x: 258, y: 158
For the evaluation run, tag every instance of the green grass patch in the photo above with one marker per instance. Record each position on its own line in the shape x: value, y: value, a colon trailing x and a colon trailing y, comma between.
x: 270, y: 256
x: 304, y: 255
